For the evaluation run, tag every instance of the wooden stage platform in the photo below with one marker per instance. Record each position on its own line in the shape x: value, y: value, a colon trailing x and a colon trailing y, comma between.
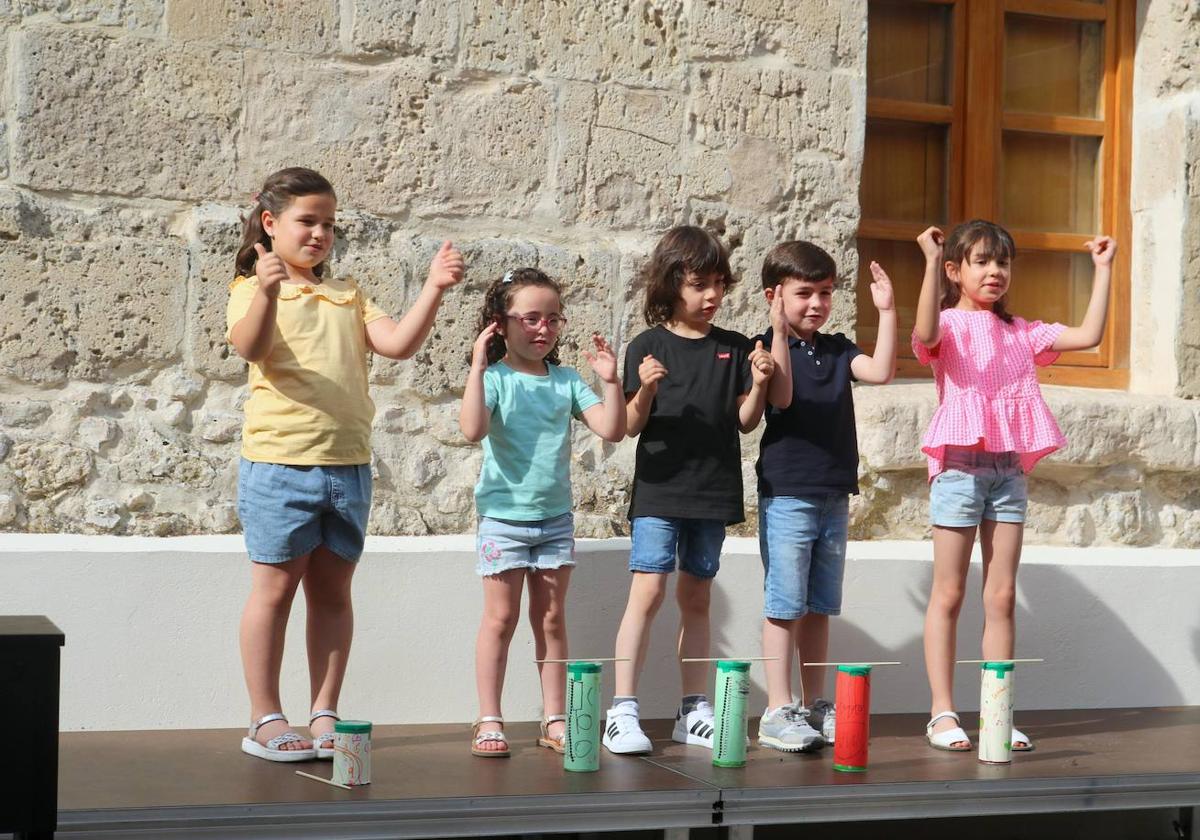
x: 177, y: 784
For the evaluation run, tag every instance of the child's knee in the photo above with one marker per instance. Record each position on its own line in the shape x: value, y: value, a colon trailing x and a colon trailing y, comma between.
x: 947, y: 598
x: 1000, y: 602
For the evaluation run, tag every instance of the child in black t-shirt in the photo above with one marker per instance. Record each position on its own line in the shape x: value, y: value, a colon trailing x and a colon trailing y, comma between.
x: 690, y: 387
x: 807, y: 469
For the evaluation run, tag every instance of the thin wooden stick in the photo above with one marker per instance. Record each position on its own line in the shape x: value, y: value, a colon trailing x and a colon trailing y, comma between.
x: 330, y: 782
x: 981, y: 661
x: 600, y: 659
x: 732, y: 659
x: 832, y: 664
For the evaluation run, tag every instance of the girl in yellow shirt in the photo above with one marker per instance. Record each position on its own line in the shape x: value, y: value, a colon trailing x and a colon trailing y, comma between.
x: 304, y: 480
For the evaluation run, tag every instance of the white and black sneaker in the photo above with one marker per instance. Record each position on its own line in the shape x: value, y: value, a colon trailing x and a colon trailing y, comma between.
x: 623, y: 733
x: 787, y: 729
x: 696, y: 727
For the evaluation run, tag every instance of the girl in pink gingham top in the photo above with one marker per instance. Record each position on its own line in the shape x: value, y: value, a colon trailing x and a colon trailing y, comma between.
x: 990, y: 428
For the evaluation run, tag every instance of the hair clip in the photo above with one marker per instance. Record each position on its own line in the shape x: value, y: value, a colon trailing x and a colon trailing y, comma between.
x: 256, y: 197
x: 507, y: 276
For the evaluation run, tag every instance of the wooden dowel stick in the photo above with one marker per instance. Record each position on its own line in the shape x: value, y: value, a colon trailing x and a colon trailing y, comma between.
x: 330, y: 782
x: 599, y: 659
x: 981, y: 661
x: 732, y: 659
x: 833, y: 664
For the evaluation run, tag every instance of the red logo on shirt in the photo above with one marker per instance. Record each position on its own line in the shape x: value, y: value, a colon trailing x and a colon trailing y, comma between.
x: 722, y: 355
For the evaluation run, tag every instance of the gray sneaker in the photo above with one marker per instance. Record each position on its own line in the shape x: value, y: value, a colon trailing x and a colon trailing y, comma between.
x: 786, y: 729
x: 823, y: 718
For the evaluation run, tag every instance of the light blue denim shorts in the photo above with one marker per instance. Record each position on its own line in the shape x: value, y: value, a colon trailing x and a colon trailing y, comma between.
x: 658, y: 541
x: 502, y: 545
x: 802, y: 540
x: 978, y: 485
x: 287, y: 511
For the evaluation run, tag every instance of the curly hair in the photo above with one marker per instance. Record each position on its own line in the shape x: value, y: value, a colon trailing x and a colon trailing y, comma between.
x: 276, y: 194
x: 681, y: 250
x: 996, y: 243
x: 498, y: 298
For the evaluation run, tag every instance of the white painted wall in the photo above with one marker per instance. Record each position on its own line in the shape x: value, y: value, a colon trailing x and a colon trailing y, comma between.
x: 151, y: 627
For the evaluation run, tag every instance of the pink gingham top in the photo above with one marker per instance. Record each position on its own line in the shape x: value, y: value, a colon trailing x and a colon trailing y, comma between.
x: 988, y: 394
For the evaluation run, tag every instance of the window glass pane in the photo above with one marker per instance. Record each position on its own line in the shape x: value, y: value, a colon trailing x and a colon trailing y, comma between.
x: 1051, y: 286
x: 1053, y: 66
x: 1050, y: 182
x: 905, y: 265
x: 904, y: 172
x: 908, y: 52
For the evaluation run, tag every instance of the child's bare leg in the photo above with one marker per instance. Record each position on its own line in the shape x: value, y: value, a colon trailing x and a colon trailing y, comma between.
x: 778, y: 636
x: 693, y: 595
x: 501, y: 610
x: 812, y: 645
x: 263, y: 627
x: 1001, y: 545
x: 329, y: 630
x: 646, y: 593
x: 951, y: 556
x: 547, y: 618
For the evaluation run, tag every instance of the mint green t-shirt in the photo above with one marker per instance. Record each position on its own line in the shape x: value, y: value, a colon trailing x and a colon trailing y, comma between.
x: 526, y: 473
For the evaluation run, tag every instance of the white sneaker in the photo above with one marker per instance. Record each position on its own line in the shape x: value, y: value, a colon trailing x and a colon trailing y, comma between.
x: 623, y: 733
x: 696, y: 727
x: 787, y: 729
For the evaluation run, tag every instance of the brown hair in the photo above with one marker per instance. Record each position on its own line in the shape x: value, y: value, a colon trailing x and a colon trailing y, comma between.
x: 797, y: 260
x: 682, y: 249
x: 498, y: 298
x: 996, y: 243
x: 276, y: 194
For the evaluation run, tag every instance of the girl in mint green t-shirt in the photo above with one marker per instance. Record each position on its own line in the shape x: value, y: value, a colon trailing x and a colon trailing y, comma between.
x: 519, y: 401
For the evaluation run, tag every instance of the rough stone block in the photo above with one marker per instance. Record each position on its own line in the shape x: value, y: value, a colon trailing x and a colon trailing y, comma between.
x: 123, y: 115
x: 47, y: 467
x: 309, y: 24
x: 134, y: 15
x: 406, y: 27
x: 214, y: 234
x: 87, y: 292
x: 802, y: 33
x: 784, y: 105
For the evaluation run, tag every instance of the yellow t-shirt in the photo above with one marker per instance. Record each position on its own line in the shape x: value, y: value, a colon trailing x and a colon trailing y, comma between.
x: 308, y: 401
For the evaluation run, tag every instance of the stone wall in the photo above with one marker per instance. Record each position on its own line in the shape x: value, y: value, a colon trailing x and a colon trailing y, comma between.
x: 557, y: 133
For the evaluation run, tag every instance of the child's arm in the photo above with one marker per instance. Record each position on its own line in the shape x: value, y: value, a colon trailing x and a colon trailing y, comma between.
x: 779, y: 392
x: 880, y: 367
x: 607, y: 419
x: 473, y: 415
x: 401, y: 340
x: 752, y: 404
x: 640, y: 402
x: 928, y: 328
x: 254, y: 334
x: 1089, y: 333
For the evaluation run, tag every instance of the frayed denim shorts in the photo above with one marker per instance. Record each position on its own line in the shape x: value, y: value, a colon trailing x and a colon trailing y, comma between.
x: 287, y: 511
x: 502, y: 545
x: 978, y: 485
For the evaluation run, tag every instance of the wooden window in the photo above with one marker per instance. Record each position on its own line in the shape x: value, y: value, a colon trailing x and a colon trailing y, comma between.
x: 1012, y: 110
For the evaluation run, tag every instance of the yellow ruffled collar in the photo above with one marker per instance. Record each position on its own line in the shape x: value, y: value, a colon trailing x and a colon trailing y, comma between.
x: 332, y: 290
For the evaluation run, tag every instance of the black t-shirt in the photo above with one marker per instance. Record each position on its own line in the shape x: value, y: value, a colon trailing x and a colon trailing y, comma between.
x: 689, y: 456
x: 811, y: 447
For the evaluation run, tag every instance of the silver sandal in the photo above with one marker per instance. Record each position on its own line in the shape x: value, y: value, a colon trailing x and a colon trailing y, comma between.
x: 323, y: 752
x: 271, y: 751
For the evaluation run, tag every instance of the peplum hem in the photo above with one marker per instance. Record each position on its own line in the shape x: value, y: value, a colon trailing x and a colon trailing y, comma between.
x: 1021, y: 425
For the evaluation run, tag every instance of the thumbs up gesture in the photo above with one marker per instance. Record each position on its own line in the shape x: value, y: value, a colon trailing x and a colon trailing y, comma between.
x: 447, y: 267
x: 270, y: 270
x: 762, y: 364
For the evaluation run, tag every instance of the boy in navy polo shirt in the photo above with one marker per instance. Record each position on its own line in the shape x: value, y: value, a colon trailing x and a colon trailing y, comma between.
x: 807, y: 469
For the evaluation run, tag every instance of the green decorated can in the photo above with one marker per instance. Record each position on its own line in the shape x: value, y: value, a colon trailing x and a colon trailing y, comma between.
x: 581, y: 753
x: 733, y: 689
x: 352, y: 752
x: 995, y: 713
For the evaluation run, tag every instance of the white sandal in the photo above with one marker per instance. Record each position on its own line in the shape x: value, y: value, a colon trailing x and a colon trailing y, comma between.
x: 489, y: 736
x: 1018, y: 735
x: 943, y: 740
x: 324, y: 753
x: 270, y: 750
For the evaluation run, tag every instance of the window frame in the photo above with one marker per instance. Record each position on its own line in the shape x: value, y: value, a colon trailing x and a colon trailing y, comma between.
x: 975, y: 120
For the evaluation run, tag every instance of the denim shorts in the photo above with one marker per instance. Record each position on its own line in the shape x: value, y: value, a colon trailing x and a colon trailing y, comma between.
x: 287, y: 511
x: 802, y: 540
x: 975, y: 486
x: 658, y: 541
x: 502, y: 545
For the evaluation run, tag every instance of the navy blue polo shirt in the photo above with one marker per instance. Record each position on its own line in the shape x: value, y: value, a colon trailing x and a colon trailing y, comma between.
x: 811, y: 447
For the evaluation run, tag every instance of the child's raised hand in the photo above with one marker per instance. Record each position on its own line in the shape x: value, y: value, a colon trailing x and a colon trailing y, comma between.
x: 762, y: 364
x: 778, y: 321
x: 1103, y: 248
x: 447, y: 267
x: 603, y: 361
x: 650, y: 371
x: 881, y: 289
x: 270, y: 271
x: 932, y: 242
x: 479, y: 352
